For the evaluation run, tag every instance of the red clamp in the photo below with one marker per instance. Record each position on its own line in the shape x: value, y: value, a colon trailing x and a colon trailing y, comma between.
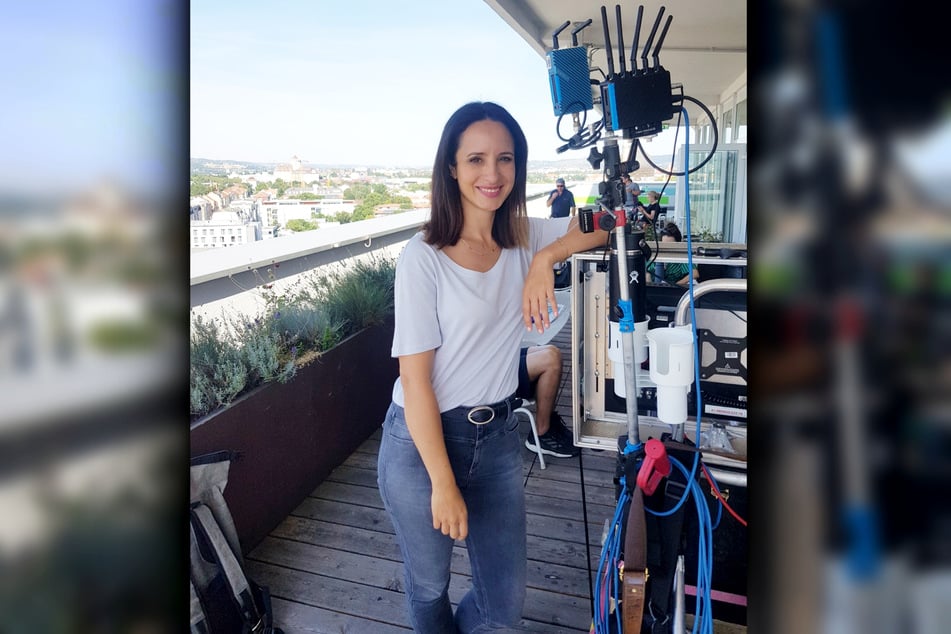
x: 656, y: 466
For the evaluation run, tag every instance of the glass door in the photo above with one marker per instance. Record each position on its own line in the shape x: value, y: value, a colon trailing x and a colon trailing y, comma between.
x: 717, y: 194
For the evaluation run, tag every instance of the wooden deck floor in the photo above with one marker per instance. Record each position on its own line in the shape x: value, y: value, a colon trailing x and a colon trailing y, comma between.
x: 334, y: 565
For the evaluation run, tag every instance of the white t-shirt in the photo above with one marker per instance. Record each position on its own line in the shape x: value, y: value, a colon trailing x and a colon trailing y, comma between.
x: 472, y: 320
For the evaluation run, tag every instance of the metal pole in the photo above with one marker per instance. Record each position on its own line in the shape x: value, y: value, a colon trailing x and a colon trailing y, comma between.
x: 680, y: 603
x: 627, y: 336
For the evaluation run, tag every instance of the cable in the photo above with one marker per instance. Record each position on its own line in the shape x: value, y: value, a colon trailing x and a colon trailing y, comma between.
x: 704, y: 609
x: 608, y: 569
x: 690, y: 289
x: 713, y: 149
x: 669, y: 172
x: 587, y: 535
x: 719, y: 496
x: 581, y: 125
x: 703, y: 613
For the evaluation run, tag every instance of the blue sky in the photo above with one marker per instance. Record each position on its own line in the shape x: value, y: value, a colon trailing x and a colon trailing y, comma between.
x: 91, y: 92
x: 360, y: 82
x: 100, y: 90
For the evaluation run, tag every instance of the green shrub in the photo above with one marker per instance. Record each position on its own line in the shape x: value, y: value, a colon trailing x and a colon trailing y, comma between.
x: 218, y: 373
x: 305, y: 327
x: 264, y: 357
x: 123, y: 335
x: 361, y: 296
x: 232, y: 356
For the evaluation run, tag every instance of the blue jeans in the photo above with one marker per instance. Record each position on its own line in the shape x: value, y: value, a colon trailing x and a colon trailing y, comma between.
x: 487, y: 463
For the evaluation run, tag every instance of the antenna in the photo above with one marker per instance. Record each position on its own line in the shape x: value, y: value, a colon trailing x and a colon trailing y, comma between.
x: 607, y: 41
x: 650, y: 38
x: 660, y: 42
x: 554, y: 35
x: 637, y: 36
x: 576, y: 30
x: 620, y: 39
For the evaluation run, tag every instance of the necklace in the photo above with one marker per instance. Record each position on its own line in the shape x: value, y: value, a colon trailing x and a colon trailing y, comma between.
x: 490, y: 251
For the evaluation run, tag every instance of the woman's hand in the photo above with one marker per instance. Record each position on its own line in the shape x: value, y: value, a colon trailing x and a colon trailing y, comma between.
x: 425, y: 427
x: 539, y: 292
x: 450, y: 515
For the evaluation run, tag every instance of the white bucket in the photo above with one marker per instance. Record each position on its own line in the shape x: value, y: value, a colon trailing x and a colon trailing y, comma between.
x: 671, y: 369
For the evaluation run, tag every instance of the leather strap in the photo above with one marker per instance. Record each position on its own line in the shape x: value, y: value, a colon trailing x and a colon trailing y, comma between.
x: 635, y: 565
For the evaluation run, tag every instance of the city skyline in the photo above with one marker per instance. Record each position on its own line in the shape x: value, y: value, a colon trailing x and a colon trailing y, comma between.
x: 569, y: 161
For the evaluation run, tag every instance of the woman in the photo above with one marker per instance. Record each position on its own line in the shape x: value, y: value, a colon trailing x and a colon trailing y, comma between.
x: 449, y: 464
x: 652, y: 211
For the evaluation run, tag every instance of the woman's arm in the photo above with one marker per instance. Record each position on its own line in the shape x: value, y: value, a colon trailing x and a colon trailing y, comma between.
x: 425, y: 426
x: 539, y: 291
x: 686, y: 278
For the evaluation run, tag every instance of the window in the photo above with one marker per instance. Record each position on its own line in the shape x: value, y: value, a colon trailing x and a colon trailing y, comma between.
x: 717, y: 194
x: 727, y: 127
x: 741, y: 122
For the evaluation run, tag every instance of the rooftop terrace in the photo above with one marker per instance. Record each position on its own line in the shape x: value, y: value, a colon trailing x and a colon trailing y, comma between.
x: 333, y: 565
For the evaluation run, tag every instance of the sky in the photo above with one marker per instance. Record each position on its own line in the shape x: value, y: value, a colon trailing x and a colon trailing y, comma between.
x: 90, y: 92
x: 120, y: 92
x: 361, y: 82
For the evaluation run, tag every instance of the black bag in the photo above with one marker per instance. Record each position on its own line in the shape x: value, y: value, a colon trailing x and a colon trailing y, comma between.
x: 223, y: 598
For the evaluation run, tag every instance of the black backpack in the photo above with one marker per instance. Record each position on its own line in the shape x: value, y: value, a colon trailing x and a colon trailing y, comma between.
x: 223, y: 598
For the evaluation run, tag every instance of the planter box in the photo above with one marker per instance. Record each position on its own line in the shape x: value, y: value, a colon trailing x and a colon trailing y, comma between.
x: 291, y: 436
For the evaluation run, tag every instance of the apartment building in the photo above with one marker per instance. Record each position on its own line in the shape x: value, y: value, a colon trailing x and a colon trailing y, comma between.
x: 225, y: 229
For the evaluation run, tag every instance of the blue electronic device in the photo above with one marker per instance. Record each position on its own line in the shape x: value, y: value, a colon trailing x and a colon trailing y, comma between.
x: 568, y: 77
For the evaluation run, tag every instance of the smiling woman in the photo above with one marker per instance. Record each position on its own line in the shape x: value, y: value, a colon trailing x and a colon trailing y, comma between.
x: 450, y: 464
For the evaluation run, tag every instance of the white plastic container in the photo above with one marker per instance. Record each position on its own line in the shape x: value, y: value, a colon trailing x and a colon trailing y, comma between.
x: 616, y: 352
x: 671, y: 369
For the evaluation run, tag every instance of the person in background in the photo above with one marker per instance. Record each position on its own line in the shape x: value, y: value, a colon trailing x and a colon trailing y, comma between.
x: 675, y: 272
x: 450, y: 465
x: 561, y: 201
x: 539, y: 375
x: 652, y: 210
x: 631, y: 192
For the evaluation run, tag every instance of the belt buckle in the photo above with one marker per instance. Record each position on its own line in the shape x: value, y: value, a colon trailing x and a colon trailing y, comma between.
x: 481, y: 408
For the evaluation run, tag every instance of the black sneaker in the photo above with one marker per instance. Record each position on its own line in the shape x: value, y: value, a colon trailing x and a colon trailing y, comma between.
x: 553, y: 444
x: 560, y: 428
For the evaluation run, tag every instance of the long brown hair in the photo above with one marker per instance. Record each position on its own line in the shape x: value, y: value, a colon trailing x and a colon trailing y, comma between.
x: 510, y: 225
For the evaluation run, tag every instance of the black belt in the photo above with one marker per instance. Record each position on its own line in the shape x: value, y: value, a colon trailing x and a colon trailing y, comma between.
x: 483, y: 414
